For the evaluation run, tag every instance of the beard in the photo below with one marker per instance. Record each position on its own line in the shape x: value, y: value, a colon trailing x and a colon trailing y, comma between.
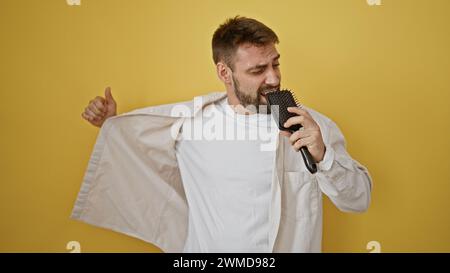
x: 253, y: 102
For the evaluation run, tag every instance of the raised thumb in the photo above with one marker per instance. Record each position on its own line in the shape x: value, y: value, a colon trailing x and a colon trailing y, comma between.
x: 108, y: 95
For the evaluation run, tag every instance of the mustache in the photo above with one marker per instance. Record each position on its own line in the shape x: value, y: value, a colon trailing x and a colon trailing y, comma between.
x: 265, y: 90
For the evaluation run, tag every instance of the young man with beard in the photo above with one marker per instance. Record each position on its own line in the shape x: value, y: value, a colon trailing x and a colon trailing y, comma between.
x: 200, y: 176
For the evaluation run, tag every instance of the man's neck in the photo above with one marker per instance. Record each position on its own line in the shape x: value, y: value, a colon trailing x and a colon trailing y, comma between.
x: 239, y: 109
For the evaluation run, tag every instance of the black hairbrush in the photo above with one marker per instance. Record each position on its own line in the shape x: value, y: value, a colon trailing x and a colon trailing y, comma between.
x: 284, y: 99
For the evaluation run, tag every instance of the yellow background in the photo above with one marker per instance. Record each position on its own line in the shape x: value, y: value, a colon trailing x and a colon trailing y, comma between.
x: 380, y: 72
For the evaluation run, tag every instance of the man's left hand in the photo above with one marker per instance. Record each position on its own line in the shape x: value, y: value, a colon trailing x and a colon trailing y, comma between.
x: 309, y: 135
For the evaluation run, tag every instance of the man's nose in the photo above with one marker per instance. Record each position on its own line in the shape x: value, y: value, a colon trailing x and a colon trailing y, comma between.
x: 272, y: 78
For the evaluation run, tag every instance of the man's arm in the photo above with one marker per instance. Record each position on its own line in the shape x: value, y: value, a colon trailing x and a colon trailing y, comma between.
x: 99, y: 109
x: 345, y: 181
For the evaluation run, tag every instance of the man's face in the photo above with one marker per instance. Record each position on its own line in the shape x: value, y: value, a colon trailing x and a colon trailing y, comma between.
x: 256, y: 70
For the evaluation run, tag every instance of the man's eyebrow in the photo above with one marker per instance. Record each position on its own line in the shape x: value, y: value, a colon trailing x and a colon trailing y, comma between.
x: 263, y: 65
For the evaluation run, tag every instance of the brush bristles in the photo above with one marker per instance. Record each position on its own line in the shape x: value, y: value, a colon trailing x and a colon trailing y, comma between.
x: 294, y: 96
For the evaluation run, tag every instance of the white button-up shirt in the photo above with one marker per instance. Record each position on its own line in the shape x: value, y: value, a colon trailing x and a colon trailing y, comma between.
x: 133, y: 183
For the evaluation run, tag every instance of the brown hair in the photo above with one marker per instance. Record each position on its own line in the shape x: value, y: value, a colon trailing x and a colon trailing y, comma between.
x: 237, y: 31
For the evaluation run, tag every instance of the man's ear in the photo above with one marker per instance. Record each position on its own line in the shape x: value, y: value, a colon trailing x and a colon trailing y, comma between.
x: 223, y: 72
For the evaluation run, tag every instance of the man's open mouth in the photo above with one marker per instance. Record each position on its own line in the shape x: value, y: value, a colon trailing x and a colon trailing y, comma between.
x: 265, y: 92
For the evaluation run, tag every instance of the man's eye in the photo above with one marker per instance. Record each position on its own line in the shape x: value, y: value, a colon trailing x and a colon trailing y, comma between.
x: 276, y: 65
x: 256, y: 72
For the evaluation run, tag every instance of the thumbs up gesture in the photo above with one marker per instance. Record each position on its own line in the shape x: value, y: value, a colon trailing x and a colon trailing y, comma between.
x: 99, y: 109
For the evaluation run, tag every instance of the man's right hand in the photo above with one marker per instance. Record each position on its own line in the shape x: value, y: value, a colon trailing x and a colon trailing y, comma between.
x: 99, y: 109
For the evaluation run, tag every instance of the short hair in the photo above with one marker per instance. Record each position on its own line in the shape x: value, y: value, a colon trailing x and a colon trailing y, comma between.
x: 237, y: 31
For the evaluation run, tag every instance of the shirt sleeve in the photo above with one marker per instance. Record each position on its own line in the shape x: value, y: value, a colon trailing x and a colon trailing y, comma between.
x: 344, y: 180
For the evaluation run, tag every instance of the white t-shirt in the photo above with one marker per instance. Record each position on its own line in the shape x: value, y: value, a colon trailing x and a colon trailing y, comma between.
x: 227, y: 174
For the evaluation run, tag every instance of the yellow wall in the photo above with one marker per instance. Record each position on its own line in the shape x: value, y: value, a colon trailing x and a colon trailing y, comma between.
x: 381, y: 72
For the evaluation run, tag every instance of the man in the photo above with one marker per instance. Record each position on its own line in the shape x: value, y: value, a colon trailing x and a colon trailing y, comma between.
x: 190, y: 176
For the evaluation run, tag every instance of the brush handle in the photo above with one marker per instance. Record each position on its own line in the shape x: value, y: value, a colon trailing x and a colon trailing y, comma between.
x: 308, y: 159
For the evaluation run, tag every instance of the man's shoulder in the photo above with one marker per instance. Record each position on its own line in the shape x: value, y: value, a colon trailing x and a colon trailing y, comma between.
x: 182, y: 108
